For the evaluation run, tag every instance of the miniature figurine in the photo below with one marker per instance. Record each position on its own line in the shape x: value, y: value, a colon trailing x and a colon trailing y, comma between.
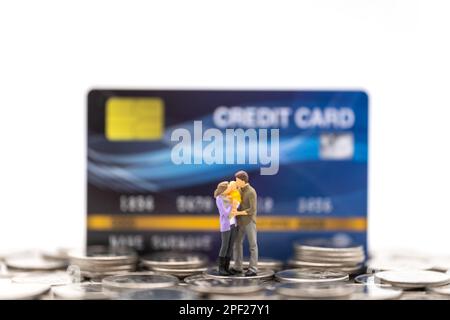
x: 246, y: 220
x: 227, y: 200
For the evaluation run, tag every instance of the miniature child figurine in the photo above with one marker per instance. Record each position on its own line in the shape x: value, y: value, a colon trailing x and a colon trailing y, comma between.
x: 227, y: 200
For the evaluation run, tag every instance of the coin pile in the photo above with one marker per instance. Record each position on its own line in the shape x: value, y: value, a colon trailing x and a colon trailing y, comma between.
x: 315, y: 290
x: 98, y: 261
x: 311, y: 275
x: 348, y: 259
x: 180, y: 264
x: 109, y: 273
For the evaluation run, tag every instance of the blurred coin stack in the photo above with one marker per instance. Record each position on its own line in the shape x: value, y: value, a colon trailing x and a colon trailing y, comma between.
x: 349, y: 259
x: 98, y: 261
x: 178, y: 264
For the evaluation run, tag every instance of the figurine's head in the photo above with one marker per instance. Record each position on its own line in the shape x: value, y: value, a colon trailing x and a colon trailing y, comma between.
x: 222, y: 187
x: 232, y: 185
x: 241, y: 178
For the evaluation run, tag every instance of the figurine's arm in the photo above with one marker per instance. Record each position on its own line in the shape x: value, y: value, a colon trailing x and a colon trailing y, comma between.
x: 235, y: 212
x: 252, y: 200
x: 222, y: 210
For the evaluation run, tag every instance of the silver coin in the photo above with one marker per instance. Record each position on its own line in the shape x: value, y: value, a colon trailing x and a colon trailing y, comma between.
x: 310, y: 275
x: 102, y: 268
x: 261, y: 295
x: 441, y: 264
x: 444, y: 290
x: 174, y: 259
x: 140, y: 280
x: 80, y: 291
x: 325, y: 259
x: 331, y: 250
x: 159, y: 294
x: 306, y: 264
x: 225, y: 286
x: 57, y: 254
x: 103, y: 254
x: 191, y: 279
x: 413, y: 278
x: 100, y: 275
x: 34, y: 263
x: 20, y: 291
x: 180, y: 272
x: 397, y: 264
x: 315, y: 290
x: 47, y: 278
x: 374, y: 292
x: 261, y: 274
x: 263, y: 263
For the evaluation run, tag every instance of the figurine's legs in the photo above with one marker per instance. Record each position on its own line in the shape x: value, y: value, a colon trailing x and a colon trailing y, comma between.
x: 233, y: 230
x: 226, y: 236
x: 233, y: 235
x: 238, y: 248
x: 224, y: 248
x: 250, y: 230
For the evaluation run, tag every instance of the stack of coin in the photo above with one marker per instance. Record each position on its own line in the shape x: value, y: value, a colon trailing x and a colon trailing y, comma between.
x: 99, y: 261
x: 348, y: 259
x: 334, y: 290
x: 310, y: 275
x: 179, y: 264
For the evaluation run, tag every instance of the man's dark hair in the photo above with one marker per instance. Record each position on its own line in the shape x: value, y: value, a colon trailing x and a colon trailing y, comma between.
x: 242, y: 175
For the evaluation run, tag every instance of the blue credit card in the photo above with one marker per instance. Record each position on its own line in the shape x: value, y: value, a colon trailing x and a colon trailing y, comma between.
x: 155, y: 158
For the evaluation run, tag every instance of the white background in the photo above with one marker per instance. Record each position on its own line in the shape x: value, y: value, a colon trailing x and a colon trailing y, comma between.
x: 52, y: 52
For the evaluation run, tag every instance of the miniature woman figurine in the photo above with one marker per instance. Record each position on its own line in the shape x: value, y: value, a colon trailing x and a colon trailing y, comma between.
x: 227, y: 199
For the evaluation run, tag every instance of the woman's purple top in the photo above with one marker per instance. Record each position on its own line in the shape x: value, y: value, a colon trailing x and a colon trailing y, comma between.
x: 224, y: 207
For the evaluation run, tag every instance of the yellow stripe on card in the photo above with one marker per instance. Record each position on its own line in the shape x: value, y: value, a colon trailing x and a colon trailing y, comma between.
x: 105, y: 222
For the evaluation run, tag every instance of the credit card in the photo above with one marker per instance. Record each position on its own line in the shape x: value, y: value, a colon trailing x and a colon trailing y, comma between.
x: 155, y: 158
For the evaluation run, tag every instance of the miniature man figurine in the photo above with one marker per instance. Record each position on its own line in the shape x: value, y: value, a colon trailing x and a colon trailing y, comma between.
x: 246, y: 220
